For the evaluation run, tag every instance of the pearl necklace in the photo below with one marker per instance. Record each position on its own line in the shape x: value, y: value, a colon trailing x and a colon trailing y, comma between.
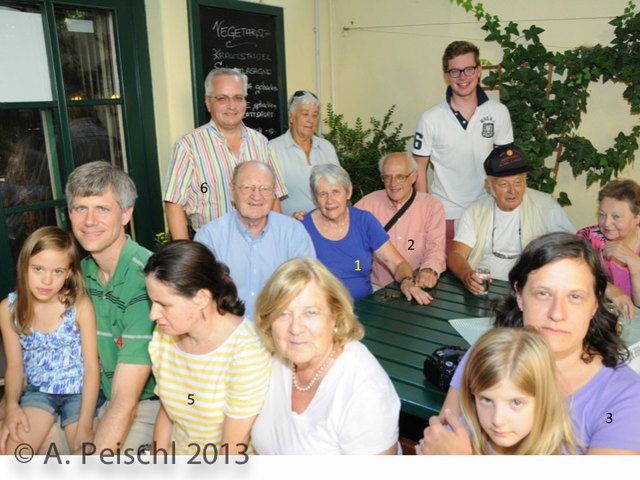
x: 315, y: 377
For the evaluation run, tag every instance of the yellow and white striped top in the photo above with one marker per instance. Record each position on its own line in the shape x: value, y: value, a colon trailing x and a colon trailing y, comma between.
x: 198, y: 391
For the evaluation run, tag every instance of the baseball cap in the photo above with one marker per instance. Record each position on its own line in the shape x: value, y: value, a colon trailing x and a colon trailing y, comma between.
x: 506, y: 160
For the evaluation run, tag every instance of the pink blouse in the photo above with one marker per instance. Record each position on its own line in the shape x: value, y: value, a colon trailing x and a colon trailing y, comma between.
x: 618, y: 275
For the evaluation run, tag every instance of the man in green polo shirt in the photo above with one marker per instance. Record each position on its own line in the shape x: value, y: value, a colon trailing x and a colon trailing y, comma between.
x: 100, y: 198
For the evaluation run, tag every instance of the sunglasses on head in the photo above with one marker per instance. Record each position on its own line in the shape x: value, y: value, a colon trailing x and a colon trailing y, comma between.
x: 300, y: 93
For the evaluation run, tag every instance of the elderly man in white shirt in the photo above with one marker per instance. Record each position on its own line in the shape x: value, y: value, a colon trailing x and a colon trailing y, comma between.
x: 493, y: 231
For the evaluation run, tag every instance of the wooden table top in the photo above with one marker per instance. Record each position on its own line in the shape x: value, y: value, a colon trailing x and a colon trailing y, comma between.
x: 400, y: 334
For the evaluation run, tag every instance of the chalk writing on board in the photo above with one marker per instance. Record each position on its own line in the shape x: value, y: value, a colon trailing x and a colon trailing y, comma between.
x: 256, y: 57
x: 247, y: 41
x: 263, y: 87
x: 235, y: 32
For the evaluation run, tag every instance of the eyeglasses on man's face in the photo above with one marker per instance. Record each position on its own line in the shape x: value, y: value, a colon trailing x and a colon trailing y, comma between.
x: 263, y: 190
x: 456, y: 72
x: 226, y: 99
x: 398, y: 178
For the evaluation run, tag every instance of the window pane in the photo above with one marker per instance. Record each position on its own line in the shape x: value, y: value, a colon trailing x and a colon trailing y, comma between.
x: 23, y: 53
x: 25, y: 166
x: 87, y: 53
x: 96, y: 134
x: 21, y: 225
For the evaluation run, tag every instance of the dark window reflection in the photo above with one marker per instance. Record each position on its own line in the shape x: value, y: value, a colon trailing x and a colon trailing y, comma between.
x: 95, y: 134
x: 24, y: 164
x: 21, y: 225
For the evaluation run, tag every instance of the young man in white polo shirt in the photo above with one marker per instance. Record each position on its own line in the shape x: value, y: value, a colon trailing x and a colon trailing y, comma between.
x: 456, y: 135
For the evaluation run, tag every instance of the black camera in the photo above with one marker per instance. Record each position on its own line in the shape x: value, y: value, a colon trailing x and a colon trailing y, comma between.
x: 440, y: 366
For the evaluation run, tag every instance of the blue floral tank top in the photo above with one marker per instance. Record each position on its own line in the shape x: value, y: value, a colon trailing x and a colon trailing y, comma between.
x: 53, y: 361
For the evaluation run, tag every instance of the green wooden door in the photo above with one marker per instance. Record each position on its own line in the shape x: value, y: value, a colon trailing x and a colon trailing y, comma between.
x: 76, y: 87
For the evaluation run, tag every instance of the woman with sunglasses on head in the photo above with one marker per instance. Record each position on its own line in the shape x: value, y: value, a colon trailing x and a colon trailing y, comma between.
x: 298, y: 149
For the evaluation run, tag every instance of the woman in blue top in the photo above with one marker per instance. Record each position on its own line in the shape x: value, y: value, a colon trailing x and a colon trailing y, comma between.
x: 346, y: 238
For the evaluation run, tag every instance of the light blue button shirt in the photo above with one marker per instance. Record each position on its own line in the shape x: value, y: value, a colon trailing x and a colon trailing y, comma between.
x: 295, y: 169
x: 253, y: 260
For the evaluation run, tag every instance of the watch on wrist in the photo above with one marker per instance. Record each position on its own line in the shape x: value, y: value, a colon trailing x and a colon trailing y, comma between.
x: 407, y: 277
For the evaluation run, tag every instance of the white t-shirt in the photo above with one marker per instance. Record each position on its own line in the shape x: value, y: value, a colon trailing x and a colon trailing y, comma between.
x: 354, y: 411
x: 507, y: 236
x: 506, y: 240
x: 458, y: 154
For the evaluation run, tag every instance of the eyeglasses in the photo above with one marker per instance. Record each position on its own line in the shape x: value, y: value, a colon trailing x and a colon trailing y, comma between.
x: 455, y: 72
x: 503, y: 256
x: 264, y: 190
x: 300, y: 93
x: 398, y: 178
x: 226, y: 100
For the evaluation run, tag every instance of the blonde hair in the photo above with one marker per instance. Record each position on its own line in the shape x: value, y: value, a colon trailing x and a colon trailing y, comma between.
x: 288, y: 281
x: 522, y: 356
x: 45, y: 238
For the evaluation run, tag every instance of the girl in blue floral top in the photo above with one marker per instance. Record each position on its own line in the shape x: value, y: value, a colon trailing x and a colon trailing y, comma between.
x: 49, y: 333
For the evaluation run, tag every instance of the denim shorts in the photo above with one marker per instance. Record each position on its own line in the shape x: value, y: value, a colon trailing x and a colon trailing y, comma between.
x: 67, y: 406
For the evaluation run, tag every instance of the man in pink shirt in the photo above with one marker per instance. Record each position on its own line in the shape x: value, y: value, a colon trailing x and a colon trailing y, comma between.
x: 419, y: 233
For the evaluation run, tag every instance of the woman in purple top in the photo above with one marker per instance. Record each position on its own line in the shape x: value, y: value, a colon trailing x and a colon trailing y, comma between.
x: 346, y: 238
x: 558, y: 286
x: 617, y: 239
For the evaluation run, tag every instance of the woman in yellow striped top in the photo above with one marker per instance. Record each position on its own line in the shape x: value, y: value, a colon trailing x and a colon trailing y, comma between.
x: 211, y: 368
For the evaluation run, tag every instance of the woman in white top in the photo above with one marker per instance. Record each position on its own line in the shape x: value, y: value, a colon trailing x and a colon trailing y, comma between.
x: 327, y: 394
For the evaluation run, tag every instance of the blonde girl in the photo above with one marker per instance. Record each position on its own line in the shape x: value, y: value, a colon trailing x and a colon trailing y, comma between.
x: 510, y: 397
x: 49, y: 335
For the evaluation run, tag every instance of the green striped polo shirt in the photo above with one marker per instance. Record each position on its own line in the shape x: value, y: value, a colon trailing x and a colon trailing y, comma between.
x: 122, y: 314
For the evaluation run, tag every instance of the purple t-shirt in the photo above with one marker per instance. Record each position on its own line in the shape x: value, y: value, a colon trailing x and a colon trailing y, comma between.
x: 605, y: 412
x: 350, y: 258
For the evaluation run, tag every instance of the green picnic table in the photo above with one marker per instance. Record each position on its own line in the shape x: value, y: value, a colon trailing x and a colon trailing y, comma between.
x: 400, y: 334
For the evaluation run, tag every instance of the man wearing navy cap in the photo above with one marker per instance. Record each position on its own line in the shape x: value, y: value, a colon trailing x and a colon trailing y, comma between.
x: 494, y: 230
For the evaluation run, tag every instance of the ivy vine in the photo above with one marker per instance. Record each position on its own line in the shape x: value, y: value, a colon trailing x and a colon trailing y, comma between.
x: 547, y: 92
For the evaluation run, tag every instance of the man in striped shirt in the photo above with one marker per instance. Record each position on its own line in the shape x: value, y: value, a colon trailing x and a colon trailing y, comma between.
x: 197, y: 185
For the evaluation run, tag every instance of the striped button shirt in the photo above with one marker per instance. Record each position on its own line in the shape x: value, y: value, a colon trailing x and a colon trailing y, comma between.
x: 199, y: 391
x: 202, y: 166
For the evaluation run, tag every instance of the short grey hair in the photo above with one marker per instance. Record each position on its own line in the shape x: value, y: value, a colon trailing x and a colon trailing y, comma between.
x: 307, y: 97
x: 95, y: 178
x: 413, y: 166
x: 218, y: 72
x: 241, y: 165
x: 334, y: 174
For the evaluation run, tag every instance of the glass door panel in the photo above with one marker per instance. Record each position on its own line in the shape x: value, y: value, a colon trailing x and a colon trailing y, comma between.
x: 96, y: 134
x: 87, y: 53
x: 26, y: 173
x: 21, y: 225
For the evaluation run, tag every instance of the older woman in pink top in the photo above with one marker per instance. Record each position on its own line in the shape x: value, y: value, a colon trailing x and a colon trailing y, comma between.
x: 617, y: 238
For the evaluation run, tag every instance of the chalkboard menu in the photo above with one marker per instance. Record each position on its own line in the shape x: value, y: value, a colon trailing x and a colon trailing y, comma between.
x: 249, y: 37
